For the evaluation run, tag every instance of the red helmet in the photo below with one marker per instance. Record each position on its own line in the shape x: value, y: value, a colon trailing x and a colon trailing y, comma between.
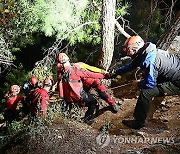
x: 133, y: 44
x: 62, y: 58
x: 34, y: 80
x: 15, y: 89
x: 48, y: 81
x: 133, y: 41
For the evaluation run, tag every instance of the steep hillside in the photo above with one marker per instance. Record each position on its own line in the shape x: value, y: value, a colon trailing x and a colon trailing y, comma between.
x: 107, y: 134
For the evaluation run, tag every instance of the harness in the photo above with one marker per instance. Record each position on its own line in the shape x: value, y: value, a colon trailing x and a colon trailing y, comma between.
x: 71, y: 88
x: 66, y: 75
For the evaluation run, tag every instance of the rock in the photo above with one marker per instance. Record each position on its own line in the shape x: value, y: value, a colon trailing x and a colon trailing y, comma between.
x: 166, y: 120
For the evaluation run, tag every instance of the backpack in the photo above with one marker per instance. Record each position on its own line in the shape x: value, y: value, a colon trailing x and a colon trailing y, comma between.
x: 71, y: 88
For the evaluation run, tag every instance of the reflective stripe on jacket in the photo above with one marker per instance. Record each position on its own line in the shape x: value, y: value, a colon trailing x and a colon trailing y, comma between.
x: 89, y: 83
x: 88, y: 67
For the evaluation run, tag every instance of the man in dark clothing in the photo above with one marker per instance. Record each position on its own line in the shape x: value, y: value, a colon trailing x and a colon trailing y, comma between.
x: 161, y: 75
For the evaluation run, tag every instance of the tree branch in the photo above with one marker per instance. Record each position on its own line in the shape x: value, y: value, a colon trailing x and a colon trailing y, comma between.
x: 121, y: 30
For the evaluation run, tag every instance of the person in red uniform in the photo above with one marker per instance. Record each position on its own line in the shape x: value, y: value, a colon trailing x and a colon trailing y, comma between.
x: 89, y: 83
x: 40, y: 99
x: 70, y: 86
x: 31, y: 84
x: 28, y: 87
x: 12, y: 100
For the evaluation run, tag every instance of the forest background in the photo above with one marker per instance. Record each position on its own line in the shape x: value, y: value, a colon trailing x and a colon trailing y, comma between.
x: 33, y: 32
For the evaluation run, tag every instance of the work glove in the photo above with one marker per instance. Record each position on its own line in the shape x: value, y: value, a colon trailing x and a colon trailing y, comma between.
x: 113, y: 75
x: 141, y: 84
x: 107, y: 76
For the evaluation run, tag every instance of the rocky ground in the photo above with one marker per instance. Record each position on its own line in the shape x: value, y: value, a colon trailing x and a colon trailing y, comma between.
x: 107, y: 134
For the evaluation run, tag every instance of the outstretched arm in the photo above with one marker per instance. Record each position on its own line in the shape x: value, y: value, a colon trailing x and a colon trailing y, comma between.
x: 88, y: 74
x: 92, y: 68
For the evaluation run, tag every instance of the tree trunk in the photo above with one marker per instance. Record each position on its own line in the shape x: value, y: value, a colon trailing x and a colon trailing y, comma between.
x: 108, y: 25
x: 165, y: 42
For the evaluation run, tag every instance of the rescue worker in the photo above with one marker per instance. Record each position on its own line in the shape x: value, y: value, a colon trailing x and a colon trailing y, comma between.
x: 89, y: 83
x: 40, y: 99
x: 71, y: 87
x: 161, y: 75
x: 29, y: 86
x: 12, y: 100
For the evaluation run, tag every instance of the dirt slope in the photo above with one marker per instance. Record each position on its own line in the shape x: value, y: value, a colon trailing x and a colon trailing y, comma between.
x: 108, y: 134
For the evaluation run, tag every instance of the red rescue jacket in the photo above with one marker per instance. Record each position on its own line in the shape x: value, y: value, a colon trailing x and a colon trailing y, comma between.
x: 70, y: 82
x: 89, y: 83
x: 12, y: 101
x: 39, y: 102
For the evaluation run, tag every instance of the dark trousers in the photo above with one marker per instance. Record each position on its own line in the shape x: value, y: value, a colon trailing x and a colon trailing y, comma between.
x: 90, y: 102
x: 10, y: 115
x: 145, y: 98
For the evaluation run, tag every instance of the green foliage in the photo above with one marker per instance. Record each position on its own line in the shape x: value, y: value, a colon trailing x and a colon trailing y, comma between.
x: 121, y: 8
x: 20, y: 21
x: 148, y: 20
x: 10, y: 133
x: 42, y: 72
x: 15, y: 127
x: 73, y: 21
x: 59, y: 17
x: 91, y: 18
x: 155, y: 29
x: 15, y: 76
x: 76, y: 21
x: 5, y: 53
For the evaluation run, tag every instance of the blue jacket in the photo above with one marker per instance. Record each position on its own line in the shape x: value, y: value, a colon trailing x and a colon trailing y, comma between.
x: 157, y: 65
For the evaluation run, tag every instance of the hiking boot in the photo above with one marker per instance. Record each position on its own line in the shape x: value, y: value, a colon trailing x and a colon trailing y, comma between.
x: 88, y: 120
x: 134, y: 124
x: 115, y: 108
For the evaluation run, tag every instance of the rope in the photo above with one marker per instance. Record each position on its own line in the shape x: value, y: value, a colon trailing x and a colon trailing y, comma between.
x: 131, y: 82
x: 124, y: 85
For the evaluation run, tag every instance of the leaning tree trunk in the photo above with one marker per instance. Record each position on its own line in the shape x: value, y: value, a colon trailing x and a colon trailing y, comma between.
x: 108, y: 23
x: 165, y: 42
